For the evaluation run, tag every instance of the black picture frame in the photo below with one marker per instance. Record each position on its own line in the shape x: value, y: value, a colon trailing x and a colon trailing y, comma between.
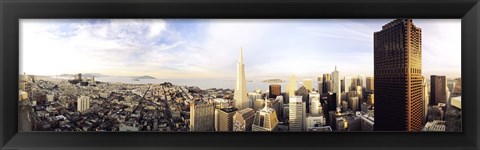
x: 13, y: 10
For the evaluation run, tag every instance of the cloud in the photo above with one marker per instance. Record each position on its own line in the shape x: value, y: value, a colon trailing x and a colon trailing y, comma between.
x: 209, y: 48
x: 68, y: 46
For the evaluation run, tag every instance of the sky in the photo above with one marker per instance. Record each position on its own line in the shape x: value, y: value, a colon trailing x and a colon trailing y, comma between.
x: 209, y: 48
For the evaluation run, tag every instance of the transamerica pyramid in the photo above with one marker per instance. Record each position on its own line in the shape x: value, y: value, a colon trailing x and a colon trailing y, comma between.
x: 240, y: 94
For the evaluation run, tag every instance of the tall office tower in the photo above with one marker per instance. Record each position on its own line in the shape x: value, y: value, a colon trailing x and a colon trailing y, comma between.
x: 308, y: 84
x: 252, y: 96
x: 240, y: 94
x: 202, y: 116
x: 302, y: 91
x: 274, y: 90
x: 281, y: 102
x: 326, y: 79
x: 347, y: 83
x: 359, y: 91
x: 225, y: 119
x: 320, y: 84
x: 83, y: 103
x: 398, y: 77
x: 362, y: 80
x: 292, y: 86
x: 457, y: 87
x: 314, y: 105
x: 353, y: 103
x: 297, y: 113
x: 328, y: 101
x: 371, y: 99
x: 243, y: 120
x: 277, y: 106
x: 426, y: 96
x: 369, y: 84
x: 342, y: 86
x: 328, y: 87
x: 265, y: 119
x: 438, y: 93
x: 336, y: 84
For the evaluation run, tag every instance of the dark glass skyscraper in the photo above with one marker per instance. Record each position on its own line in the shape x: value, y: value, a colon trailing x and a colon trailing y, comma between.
x: 398, y: 77
x: 438, y: 92
x: 274, y: 90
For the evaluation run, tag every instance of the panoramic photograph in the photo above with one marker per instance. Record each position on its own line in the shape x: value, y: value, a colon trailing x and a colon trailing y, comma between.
x: 240, y: 75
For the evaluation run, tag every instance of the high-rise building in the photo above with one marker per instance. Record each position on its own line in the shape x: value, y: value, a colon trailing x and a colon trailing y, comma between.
x: 326, y: 86
x: 302, y: 91
x: 347, y: 83
x: 438, y: 92
x: 225, y: 119
x: 240, y: 94
x: 371, y: 99
x: 353, y: 103
x: 277, y: 106
x: 362, y: 81
x: 202, y: 116
x: 274, y: 90
x: 265, y: 119
x: 243, y: 120
x: 252, y: 96
x: 336, y: 84
x: 369, y: 84
x: 457, y: 87
x: 83, y: 103
x: 398, y: 77
x: 426, y: 101
x: 297, y: 113
x: 328, y: 101
x: 320, y: 84
x: 292, y: 86
x: 360, y: 92
x: 308, y: 84
x: 314, y: 105
x: 281, y: 102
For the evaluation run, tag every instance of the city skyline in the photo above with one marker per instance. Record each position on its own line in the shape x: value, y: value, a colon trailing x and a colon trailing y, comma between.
x: 185, y: 48
x: 396, y: 98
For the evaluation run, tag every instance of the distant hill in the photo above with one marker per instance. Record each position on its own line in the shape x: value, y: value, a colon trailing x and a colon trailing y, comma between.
x: 84, y: 75
x: 94, y: 74
x: 102, y: 75
x: 273, y: 81
x: 144, y: 77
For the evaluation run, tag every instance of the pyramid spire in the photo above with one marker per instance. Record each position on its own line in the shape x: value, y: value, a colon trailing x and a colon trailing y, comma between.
x: 335, y: 67
x: 240, y: 59
x: 240, y: 93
